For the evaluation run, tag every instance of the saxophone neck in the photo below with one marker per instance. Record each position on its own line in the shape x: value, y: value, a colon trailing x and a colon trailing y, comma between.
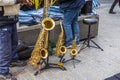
x: 74, y: 43
x: 61, y: 26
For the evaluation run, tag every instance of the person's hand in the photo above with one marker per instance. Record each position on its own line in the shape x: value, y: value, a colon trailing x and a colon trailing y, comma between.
x: 25, y: 2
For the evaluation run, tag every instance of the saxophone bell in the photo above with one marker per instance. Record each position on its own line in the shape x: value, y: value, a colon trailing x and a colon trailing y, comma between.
x: 63, y: 49
x: 73, y: 53
x: 43, y: 53
x: 48, y: 23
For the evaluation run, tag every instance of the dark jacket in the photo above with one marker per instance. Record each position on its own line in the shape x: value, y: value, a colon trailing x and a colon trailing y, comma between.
x: 67, y: 4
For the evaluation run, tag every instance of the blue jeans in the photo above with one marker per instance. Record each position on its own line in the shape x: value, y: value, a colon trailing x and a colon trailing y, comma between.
x: 8, y: 44
x: 71, y: 26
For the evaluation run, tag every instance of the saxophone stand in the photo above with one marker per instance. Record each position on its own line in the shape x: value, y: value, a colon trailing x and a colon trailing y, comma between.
x: 73, y: 59
x: 53, y: 65
x: 49, y: 65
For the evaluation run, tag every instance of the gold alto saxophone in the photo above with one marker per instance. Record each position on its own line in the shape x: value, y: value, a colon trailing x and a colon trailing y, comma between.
x: 40, y: 51
x: 73, y: 51
x: 60, y: 49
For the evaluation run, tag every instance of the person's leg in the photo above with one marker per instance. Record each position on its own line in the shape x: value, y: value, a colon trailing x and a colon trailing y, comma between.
x: 75, y: 25
x: 14, y: 42
x: 112, y: 7
x: 5, y: 52
x: 5, y: 49
x: 67, y: 22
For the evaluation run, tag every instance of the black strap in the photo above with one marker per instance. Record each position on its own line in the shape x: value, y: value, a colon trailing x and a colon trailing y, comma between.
x: 7, y: 20
x: 1, y: 10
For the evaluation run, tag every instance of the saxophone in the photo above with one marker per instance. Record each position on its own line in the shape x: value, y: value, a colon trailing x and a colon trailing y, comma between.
x: 73, y: 51
x: 35, y: 56
x: 52, y: 2
x: 40, y: 50
x: 60, y: 49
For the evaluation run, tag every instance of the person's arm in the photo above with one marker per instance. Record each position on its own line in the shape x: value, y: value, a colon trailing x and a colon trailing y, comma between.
x: 7, y: 2
x: 12, y: 2
x: 26, y: 2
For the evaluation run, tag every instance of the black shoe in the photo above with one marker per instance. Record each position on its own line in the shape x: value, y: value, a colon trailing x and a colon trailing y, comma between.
x: 7, y: 77
x: 18, y: 64
x: 111, y: 12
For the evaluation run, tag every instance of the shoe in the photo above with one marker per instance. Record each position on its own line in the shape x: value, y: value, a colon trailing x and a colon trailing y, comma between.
x: 78, y: 45
x: 7, y: 77
x: 18, y: 64
x: 70, y: 46
x: 111, y: 12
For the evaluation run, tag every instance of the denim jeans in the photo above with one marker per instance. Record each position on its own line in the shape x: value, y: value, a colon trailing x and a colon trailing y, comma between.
x: 8, y: 44
x: 71, y: 26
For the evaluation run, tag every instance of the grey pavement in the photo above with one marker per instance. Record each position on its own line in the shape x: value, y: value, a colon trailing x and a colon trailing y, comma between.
x: 95, y: 64
x: 105, y: 1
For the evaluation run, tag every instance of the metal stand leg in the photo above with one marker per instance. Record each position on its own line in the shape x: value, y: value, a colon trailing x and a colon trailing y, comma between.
x: 82, y: 47
x: 72, y: 59
x: 87, y: 42
x: 49, y: 65
x: 97, y: 45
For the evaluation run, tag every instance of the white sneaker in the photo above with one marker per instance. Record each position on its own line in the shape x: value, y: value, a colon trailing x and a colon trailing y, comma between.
x: 71, y: 46
x: 78, y: 45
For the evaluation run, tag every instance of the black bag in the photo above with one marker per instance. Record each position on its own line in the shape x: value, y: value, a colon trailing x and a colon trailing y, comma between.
x: 25, y: 54
x: 24, y: 51
x: 6, y: 20
x: 21, y: 46
x: 87, y: 8
x: 1, y: 10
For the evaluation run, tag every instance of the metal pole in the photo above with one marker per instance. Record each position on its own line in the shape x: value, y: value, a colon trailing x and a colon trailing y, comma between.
x: 46, y: 2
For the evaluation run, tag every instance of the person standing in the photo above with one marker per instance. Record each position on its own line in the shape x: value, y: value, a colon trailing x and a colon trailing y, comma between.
x: 113, y: 5
x: 9, y: 10
x: 71, y: 10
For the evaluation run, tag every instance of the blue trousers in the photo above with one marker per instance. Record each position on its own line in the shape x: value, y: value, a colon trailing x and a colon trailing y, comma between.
x: 8, y: 44
x: 71, y: 26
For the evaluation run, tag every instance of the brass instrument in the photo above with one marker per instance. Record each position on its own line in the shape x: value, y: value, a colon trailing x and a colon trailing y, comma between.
x: 60, y: 49
x: 52, y: 2
x: 73, y: 52
x: 43, y: 53
x: 36, y: 54
x: 37, y: 3
x: 48, y: 23
x: 40, y: 51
